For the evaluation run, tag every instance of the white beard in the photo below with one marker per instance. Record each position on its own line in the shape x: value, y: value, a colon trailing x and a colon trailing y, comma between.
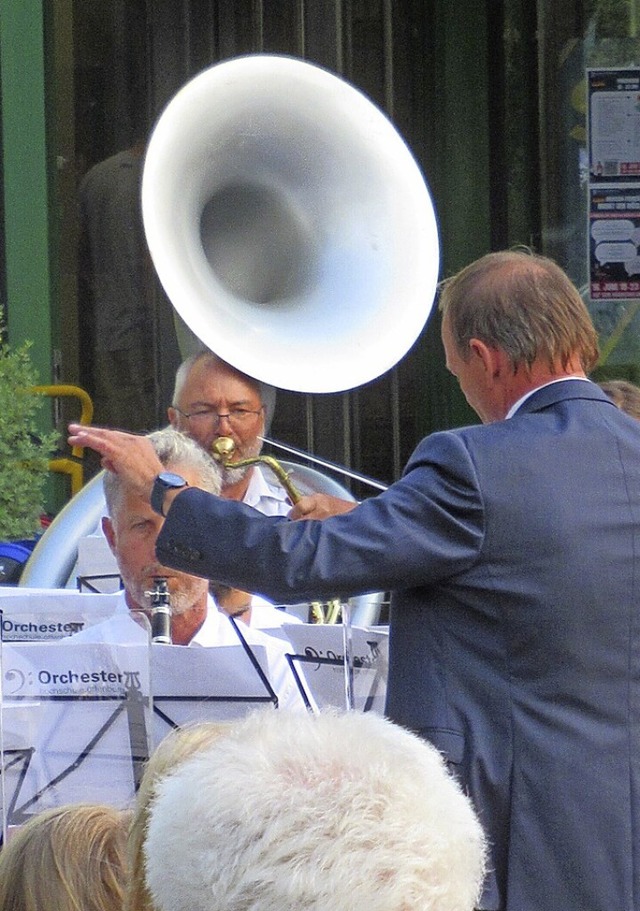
x: 234, y: 475
x: 231, y: 475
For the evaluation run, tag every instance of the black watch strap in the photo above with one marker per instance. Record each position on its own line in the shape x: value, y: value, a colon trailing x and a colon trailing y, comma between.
x: 165, y: 481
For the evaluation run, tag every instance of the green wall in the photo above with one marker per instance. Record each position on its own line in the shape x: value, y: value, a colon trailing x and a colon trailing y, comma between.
x: 31, y: 308
x: 26, y: 184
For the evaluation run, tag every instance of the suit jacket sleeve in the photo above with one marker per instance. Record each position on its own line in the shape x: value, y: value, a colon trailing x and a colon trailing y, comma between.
x: 424, y: 528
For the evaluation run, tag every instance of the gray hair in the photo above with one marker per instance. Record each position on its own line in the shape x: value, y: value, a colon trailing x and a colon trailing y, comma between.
x: 266, y: 392
x: 335, y: 812
x: 173, y: 449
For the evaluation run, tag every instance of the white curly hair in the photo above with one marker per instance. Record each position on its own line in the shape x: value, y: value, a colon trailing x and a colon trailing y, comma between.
x: 328, y: 812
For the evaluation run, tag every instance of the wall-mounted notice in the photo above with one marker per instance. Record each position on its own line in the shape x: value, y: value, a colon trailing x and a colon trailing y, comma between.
x: 614, y: 183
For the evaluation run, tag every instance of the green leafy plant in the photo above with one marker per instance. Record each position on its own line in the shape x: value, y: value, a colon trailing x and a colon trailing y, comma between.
x: 24, y: 450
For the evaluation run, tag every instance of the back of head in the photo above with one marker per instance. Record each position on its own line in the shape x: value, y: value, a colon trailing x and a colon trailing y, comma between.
x: 72, y: 858
x: 524, y: 304
x: 330, y: 812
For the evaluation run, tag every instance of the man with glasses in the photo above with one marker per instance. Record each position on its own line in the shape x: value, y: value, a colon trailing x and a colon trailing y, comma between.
x: 212, y: 399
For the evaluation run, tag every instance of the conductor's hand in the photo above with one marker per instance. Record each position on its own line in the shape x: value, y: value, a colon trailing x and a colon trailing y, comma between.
x: 128, y: 455
x: 320, y: 506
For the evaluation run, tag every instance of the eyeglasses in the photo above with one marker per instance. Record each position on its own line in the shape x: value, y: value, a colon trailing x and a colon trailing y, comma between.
x: 237, y: 417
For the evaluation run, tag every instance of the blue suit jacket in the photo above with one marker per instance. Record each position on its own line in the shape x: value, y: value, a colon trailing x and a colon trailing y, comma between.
x: 513, y: 553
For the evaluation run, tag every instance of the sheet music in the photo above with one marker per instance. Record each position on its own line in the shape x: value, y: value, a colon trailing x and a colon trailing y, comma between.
x: 75, y: 722
x: 319, y: 658
x: 43, y: 614
x: 79, y: 719
x: 79, y: 715
x: 204, y: 684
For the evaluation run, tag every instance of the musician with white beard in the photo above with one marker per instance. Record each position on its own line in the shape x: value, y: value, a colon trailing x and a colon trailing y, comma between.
x: 131, y: 529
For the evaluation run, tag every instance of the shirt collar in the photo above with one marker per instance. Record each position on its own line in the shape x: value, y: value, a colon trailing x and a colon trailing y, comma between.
x: 514, y: 408
x: 260, y: 489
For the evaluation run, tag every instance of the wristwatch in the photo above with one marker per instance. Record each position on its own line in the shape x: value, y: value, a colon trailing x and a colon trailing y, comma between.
x: 165, y: 481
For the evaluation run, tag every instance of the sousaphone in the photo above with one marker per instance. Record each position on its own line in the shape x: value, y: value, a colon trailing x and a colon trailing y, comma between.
x: 289, y: 224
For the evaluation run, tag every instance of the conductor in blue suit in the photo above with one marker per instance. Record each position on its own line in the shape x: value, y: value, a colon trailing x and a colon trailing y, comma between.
x: 512, y: 549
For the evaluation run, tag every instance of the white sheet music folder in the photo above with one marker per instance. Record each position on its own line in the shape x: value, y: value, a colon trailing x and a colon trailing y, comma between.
x: 319, y: 658
x: 75, y: 722
x: 205, y: 684
x: 30, y: 614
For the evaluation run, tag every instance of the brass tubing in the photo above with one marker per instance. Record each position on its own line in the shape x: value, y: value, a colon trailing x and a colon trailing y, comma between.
x: 224, y: 447
x: 222, y: 450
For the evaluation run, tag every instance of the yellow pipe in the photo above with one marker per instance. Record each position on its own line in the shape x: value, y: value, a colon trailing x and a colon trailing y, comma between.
x: 63, y: 465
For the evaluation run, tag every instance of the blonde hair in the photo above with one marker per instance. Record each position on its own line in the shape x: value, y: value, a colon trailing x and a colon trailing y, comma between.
x: 72, y: 858
x: 180, y: 745
x: 335, y: 812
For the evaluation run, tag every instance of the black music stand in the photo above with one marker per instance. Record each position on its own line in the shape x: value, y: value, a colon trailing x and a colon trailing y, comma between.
x: 100, y: 583
x: 205, y: 684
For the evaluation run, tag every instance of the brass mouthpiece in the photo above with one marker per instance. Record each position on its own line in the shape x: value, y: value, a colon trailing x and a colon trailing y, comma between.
x: 222, y: 449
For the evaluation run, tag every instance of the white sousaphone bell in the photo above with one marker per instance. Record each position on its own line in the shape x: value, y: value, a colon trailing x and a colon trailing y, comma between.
x: 289, y: 224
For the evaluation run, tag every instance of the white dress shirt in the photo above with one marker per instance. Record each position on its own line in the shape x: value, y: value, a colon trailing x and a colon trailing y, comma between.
x: 267, y: 496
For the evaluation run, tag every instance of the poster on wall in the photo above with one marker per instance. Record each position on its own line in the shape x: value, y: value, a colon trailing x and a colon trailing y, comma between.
x: 614, y: 242
x: 614, y: 124
x: 614, y: 210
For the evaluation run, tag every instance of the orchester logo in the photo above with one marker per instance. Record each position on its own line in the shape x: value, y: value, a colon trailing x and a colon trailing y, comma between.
x: 11, y: 629
x: 98, y: 682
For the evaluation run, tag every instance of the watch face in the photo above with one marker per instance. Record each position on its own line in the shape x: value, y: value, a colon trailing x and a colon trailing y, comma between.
x: 166, y: 480
x: 170, y: 479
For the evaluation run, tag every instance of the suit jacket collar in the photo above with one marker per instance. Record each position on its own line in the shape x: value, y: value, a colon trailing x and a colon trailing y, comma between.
x: 553, y: 393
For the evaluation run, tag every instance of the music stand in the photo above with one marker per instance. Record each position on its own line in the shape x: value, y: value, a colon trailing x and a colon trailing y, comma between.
x: 192, y: 685
x: 318, y: 659
x: 195, y: 684
x: 75, y: 722
x: 66, y: 736
x: 100, y: 583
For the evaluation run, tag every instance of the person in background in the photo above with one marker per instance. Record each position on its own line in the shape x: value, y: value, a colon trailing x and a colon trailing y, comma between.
x: 211, y: 399
x: 335, y: 812
x: 116, y: 308
x: 624, y: 394
x: 177, y: 747
x: 131, y: 529
x: 510, y: 548
x: 69, y: 858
